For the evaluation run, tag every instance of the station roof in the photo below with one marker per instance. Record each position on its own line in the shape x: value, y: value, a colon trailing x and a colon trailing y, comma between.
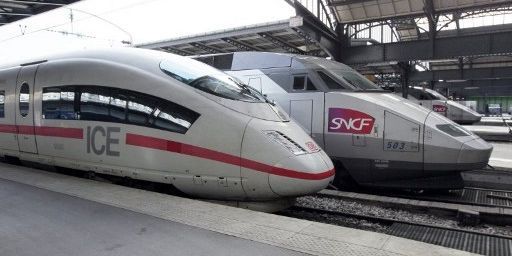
x: 279, y: 36
x: 14, y: 10
x: 357, y: 11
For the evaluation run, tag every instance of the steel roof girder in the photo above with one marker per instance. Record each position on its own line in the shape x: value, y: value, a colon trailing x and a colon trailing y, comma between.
x: 474, y: 45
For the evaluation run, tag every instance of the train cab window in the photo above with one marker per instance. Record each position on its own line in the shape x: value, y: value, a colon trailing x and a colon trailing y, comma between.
x: 174, y: 118
x: 303, y: 83
x: 310, y: 86
x: 94, y: 103
x: 58, y: 103
x: 2, y: 104
x: 330, y: 83
x: 208, y: 79
x: 424, y: 96
x: 414, y: 93
x: 24, y: 100
x: 299, y: 82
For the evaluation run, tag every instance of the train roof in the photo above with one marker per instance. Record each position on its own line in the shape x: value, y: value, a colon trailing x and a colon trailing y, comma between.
x: 141, y: 58
x: 268, y: 60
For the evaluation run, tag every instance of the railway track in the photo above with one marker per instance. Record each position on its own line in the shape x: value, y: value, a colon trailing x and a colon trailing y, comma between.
x: 467, y: 196
x: 466, y: 240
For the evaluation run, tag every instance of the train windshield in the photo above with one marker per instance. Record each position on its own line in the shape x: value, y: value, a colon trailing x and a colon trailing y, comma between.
x: 350, y: 80
x: 437, y: 95
x: 208, y: 79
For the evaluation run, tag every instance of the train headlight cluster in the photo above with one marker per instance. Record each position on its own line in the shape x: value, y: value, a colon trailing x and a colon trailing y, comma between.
x: 286, y: 142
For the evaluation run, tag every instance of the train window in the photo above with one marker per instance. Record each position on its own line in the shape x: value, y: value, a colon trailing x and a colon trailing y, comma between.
x: 414, y: 93
x: 94, y: 103
x: 299, y: 82
x: 330, y: 83
x: 24, y: 100
x: 310, y: 86
x: 303, y: 83
x: 140, y: 107
x: 209, y: 79
x: 355, y: 80
x: 117, y: 106
x: 58, y: 103
x: 105, y: 104
x: 2, y: 104
x: 453, y: 130
x: 173, y: 117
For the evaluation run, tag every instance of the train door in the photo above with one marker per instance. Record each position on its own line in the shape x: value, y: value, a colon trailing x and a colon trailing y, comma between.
x: 302, y: 112
x: 25, y: 109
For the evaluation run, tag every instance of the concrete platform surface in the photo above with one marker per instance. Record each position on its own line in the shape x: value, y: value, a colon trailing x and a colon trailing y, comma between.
x: 94, y: 218
x: 35, y: 221
x: 488, y: 130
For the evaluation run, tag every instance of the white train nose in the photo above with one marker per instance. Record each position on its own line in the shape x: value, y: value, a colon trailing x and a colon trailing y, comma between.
x: 290, y: 177
x: 474, y: 154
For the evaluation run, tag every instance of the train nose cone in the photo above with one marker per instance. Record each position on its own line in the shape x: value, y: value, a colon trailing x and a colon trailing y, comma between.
x: 474, y: 154
x: 311, y: 173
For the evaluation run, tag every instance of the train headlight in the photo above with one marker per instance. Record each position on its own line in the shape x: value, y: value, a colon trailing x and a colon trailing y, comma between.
x: 286, y: 142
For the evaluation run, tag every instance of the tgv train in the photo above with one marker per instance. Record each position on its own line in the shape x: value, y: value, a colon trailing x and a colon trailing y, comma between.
x: 158, y: 117
x: 375, y: 138
x: 437, y: 102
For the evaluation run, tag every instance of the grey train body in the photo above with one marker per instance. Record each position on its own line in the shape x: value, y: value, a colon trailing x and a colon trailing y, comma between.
x: 375, y: 138
x: 133, y: 113
x: 433, y: 100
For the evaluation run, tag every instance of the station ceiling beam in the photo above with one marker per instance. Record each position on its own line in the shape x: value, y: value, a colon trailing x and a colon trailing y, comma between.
x: 207, y: 48
x: 347, y: 2
x: 241, y: 45
x: 464, y: 74
x: 314, y: 30
x: 334, y: 4
x: 285, y: 45
x: 280, y: 25
x: 177, y: 51
x: 452, y: 47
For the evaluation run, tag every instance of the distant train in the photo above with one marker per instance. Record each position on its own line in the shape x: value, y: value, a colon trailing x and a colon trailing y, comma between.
x: 374, y: 137
x: 437, y: 102
x: 159, y: 117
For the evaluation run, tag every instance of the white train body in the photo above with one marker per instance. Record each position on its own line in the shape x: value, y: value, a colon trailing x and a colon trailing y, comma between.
x: 433, y: 100
x: 123, y: 112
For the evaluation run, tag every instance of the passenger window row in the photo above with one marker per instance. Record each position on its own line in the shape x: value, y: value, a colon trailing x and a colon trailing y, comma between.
x: 105, y: 104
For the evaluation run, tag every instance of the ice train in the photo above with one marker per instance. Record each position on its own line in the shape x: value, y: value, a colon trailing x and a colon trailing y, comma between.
x: 159, y: 117
x: 374, y: 137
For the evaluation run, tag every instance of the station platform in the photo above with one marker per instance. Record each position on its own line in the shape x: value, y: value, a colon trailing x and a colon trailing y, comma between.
x: 491, y: 133
x: 501, y: 157
x: 45, y: 213
x: 495, y: 121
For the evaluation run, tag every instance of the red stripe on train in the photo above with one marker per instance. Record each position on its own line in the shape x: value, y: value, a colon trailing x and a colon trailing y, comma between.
x: 191, y: 150
x: 72, y: 133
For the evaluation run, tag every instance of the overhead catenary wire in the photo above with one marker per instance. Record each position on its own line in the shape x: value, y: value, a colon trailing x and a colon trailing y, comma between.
x: 91, y: 15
